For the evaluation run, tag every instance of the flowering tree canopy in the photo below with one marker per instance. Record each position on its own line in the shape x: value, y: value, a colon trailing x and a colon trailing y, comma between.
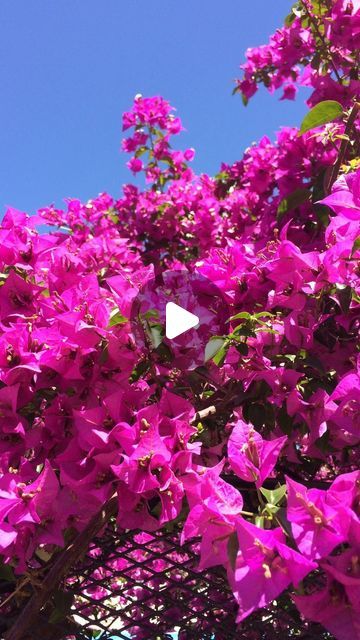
x: 257, y: 450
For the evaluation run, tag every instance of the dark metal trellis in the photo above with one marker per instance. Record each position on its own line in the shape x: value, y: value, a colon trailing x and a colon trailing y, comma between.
x: 148, y: 587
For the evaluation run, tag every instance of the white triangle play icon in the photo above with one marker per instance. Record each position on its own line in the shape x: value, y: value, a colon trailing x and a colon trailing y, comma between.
x: 178, y: 320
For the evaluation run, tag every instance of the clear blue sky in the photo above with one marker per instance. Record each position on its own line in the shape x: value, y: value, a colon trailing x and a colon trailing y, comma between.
x: 69, y: 68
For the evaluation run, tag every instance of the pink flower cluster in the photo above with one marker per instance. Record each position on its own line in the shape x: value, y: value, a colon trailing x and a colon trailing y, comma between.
x: 316, y: 48
x: 154, y: 123
x: 270, y: 483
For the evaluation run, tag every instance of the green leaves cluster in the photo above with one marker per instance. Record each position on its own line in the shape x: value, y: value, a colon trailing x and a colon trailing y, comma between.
x: 218, y: 346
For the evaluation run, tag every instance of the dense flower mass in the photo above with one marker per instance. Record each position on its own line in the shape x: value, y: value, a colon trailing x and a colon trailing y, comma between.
x: 257, y: 450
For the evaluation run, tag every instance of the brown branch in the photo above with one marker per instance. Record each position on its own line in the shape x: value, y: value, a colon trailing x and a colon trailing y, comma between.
x: 65, y: 561
x: 327, y: 51
x: 343, y: 147
x: 204, y: 413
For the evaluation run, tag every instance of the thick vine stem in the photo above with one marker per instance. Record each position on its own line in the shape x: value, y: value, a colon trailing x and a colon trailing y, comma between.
x: 65, y: 561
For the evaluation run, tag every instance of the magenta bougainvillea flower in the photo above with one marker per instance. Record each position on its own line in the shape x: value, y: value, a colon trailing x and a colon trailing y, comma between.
x: 345, y: 197
x: 318, y: 525
x: 264, y: 567
x: 251, y: 457
x: 214, y: 508
x: 332, y: 607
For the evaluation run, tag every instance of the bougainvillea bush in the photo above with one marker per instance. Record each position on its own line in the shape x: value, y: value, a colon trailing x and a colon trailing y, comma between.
x: 257, y: 450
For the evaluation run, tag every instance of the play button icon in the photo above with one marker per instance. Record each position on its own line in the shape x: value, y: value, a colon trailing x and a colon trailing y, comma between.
x: 173, y: 317
x: 178, y: 320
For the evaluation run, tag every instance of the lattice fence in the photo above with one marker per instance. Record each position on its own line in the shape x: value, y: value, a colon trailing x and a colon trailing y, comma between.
x: 148, y: 587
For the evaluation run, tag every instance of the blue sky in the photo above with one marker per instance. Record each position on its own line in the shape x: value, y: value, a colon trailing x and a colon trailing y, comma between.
x: 69, y: 68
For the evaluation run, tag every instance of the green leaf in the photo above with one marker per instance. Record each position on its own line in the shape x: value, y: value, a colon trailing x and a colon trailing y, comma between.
x: 344, y: 293
x: 222, y: 176
x: 322, y: 214
x: 245, y: 99
x: 6, y: 573
x: 243, y: 329
x: 214, y: 345
x: 116, y: 317
x: 281, y: 516
x: 139, y: 371
x: 112, y: 213
x: 164, y: 352
x: 260, y: 522
x: 296, y: 10
x: 285, y: 421
x: 256, y: 415
x: 274, y: 496
x: 243, y: 315
x: 45, y: 556
x: 322, y: 113
x: 242, y: 348
x: 104, y: 355
x: 312, y: 361
x: 62, y: 601
x: 356, y: 246
x: 323, y: 443
x: 289, y: 19
x: 295, y: 199
x: 221, y: 354
x: 271, y: 509
x: 319, y: 7
x: 140, y: 151
x: 150, y: 314
x: 156, y: 334
x: 233, y: 549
